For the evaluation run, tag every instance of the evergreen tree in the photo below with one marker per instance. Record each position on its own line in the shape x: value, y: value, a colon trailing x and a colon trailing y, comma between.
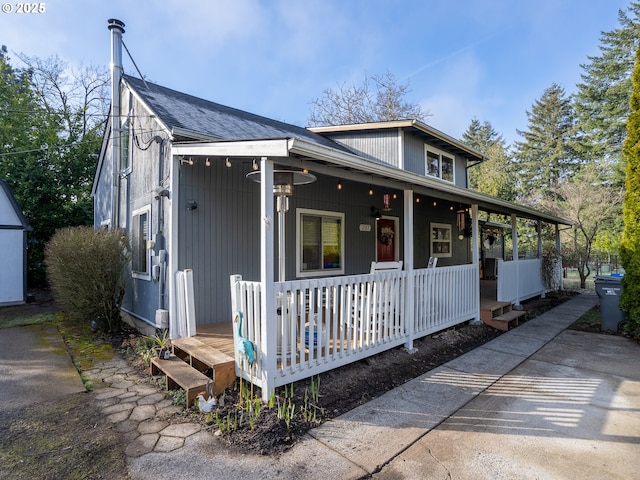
x: 547, y: 156
x: 482, y: 136
x: 630, y: 251
x: 602, y: 100
x: 493, y: 175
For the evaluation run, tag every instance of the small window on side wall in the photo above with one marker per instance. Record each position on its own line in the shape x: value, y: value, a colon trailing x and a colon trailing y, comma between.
x: 140, y: 254
x: 319, y: 243
x: 440, y: 239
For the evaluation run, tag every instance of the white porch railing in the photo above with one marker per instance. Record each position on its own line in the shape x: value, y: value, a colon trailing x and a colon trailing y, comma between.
x: 326, y: 323
x: 445, y: 297
x: 519, y: 280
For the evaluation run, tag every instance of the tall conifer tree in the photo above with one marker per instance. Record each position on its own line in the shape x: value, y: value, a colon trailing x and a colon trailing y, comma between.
x: 630, y: 251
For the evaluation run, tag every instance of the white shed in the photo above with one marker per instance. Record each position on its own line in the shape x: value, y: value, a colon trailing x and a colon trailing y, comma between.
x: 13, y: 249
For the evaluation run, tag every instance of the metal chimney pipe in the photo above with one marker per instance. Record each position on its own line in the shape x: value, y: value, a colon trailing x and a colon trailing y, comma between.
x: 116, y: 27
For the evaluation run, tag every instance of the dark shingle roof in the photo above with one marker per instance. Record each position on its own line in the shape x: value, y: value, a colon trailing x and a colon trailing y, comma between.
x: 179, y: 110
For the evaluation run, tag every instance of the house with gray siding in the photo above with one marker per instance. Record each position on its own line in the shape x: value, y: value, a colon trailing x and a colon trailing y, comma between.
x: 234, y: 217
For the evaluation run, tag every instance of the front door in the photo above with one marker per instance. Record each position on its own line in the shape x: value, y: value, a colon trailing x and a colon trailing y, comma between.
x: 386, y: 238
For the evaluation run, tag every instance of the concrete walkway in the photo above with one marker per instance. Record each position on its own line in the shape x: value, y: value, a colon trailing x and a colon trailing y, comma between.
x: 538, y: 402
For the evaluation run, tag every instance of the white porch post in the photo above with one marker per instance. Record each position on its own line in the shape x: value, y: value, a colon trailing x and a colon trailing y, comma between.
x: 475, y: 258
x: 171, y: 221
x: 557, y: 271
x: 514, y: 244
x: 539, y: 231
x: 409, y: 299
x: 267, y: 300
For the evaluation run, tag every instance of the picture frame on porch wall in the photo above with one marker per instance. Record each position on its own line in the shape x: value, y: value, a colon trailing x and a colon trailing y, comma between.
x: 440, y: 240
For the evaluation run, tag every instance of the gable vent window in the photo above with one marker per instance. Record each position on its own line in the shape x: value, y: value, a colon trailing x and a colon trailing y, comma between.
x: 439, y: 164
x: 140, y: 255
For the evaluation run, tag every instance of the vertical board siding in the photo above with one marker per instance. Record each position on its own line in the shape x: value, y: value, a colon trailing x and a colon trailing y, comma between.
x: 380, y: 146
x: 221, y: 236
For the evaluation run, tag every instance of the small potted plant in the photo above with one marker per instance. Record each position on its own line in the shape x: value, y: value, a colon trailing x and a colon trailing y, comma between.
x: 162, y: 345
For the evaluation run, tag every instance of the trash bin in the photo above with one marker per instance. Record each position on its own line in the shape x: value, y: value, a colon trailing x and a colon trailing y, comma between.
x: 609, y: 289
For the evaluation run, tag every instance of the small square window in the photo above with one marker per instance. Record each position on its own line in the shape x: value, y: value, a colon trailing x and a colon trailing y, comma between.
x: 440, y: 240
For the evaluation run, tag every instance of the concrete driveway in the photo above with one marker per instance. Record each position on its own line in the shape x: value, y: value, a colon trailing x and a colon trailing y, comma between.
x: 34, y: 367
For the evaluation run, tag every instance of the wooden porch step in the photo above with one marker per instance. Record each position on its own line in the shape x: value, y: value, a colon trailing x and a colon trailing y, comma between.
x: 203, y: 357
x: 490, y: 310
x: 506, y: 320
x: 180, y: 374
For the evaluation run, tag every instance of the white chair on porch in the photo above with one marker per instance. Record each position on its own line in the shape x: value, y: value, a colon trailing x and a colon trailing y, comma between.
x: 386, y: 266
x: 377, y: 307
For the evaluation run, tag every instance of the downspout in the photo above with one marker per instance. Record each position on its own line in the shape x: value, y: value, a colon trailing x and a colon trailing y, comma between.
x: 116, y: 27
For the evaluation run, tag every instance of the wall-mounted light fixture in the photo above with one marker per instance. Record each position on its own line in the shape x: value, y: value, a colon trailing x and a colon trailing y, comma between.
x: 339, y: 185
x: 192, y: 205
x: 375, y: 213
x: 227, y: 162
x: 207, y: 162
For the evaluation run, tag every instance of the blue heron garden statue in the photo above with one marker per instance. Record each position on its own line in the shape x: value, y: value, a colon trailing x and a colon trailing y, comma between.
x: 246, y: 348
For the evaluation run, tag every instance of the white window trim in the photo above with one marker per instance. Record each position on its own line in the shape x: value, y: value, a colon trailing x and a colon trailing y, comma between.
x: 143, y: 275
x: 440, y: 153
x: 317, y: 273
x: 444, y: 226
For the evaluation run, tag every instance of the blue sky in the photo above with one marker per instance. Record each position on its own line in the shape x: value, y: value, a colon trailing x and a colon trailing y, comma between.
x: 489, y: 59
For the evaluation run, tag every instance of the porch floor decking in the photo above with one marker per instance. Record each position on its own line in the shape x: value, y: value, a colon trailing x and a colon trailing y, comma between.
x: 218, y: 336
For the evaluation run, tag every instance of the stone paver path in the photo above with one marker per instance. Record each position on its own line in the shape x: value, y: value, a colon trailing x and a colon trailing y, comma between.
x: 138, y: 409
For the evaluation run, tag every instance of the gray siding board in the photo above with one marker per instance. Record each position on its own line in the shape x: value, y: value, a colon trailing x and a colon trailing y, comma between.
x: 414, y: 154
x: 221, y: 237
x: 381, y: 146
x: 149, y: 167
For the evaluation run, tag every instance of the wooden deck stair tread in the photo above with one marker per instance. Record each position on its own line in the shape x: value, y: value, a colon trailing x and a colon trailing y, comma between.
x: 180, y: 374
x: 201, y: 351
x: 202, y: 357
x: 510, y: 316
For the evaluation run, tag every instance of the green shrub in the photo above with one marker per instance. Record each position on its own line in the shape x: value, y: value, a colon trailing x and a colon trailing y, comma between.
x: 85, y: 268
x: 630, y: 248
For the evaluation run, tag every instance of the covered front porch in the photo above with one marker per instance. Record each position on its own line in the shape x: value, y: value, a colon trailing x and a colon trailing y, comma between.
x: 306, y: 326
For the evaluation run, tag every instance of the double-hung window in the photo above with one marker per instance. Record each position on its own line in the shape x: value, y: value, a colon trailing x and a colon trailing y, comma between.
x: 140, y: 254
x: 439, y: 164
x: 319, y: 243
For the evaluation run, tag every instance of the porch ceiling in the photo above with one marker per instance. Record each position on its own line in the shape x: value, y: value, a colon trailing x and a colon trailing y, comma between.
x: 328, y: 161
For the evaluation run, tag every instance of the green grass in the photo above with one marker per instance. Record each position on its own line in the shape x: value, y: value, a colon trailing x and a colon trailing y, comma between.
x: 9, y: 321
x: 591, y: 317
x: 572, y: 280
